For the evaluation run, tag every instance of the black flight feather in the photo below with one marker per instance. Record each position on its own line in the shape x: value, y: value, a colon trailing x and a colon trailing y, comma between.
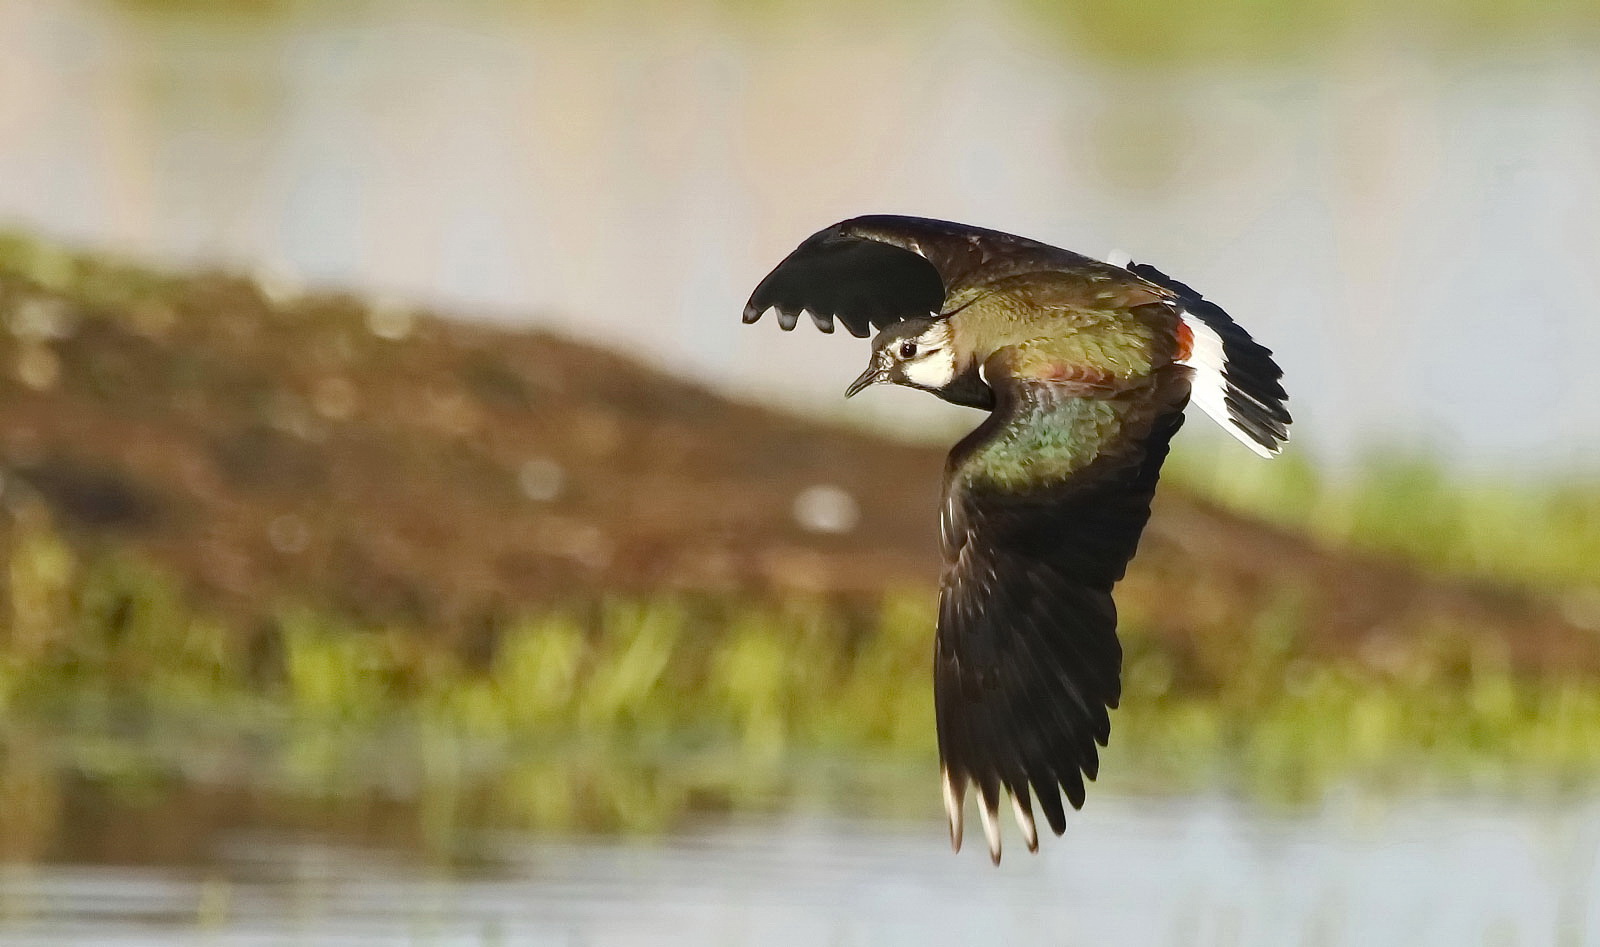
x: 861, y: 282
x: 1027, y: 661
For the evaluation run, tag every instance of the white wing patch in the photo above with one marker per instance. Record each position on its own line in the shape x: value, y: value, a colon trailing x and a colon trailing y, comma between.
x: 1211, y: 388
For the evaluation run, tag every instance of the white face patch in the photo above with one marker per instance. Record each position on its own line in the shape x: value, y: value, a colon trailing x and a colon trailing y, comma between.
x: 934, y: 365
x: 934, y: 370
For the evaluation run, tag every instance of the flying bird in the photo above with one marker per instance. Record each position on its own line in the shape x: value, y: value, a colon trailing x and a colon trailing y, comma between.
x: 1085, y: 368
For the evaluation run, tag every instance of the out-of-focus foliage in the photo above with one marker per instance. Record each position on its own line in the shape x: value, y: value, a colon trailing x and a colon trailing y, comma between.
x: 1542, y: 534
x: 1162, y: 32
x: 633, y: 713
x: 1170, y: 31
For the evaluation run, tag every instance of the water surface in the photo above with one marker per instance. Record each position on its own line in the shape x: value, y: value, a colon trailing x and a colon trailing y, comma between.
x: 1187, y: 871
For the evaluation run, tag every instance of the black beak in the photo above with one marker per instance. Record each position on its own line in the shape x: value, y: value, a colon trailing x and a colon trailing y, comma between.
x: 872, y: 376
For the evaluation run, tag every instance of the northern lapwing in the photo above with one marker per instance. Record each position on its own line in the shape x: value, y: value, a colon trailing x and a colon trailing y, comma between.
x: 1085, y: 368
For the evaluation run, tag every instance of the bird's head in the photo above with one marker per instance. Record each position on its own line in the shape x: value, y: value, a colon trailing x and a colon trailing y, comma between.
x: 917, y: 353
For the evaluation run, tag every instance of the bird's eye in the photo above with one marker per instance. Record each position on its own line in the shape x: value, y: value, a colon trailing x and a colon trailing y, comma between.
x: 908, y: 350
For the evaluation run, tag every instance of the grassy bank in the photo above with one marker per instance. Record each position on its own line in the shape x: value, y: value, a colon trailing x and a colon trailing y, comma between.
x: 634, y: 713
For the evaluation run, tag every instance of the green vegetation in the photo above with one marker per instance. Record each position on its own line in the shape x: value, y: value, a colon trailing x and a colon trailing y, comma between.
x: 629, y: 714
x: 1147, y: 32
x: 1546, y: 536
x: 1163, y: 32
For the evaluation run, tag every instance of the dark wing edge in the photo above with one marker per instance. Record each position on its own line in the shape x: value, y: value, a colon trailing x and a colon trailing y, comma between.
x: 1027, y: 662
x: 864, y: 283
x: 873, y: 271
x: 1237, y: 382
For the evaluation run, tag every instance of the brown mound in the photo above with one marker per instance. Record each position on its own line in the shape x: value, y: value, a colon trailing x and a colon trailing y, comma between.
x: 390, y: 467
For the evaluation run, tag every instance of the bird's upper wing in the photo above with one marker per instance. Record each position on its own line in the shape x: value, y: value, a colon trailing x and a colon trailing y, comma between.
x: 870, y: 272
x: 1044, y: 504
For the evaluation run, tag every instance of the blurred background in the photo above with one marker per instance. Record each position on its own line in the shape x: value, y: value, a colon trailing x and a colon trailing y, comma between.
x: 405, y: 543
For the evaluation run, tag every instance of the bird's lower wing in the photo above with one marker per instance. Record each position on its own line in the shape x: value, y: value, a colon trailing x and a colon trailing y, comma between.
x: 1027, y: 661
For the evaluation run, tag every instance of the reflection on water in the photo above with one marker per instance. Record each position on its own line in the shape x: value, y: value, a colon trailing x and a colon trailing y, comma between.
x: 1130, y: 871
x: 1413, y: 230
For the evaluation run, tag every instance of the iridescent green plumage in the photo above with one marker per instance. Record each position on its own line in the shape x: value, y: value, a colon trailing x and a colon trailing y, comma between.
x: 1079, y: 377
x: 1045, y: 439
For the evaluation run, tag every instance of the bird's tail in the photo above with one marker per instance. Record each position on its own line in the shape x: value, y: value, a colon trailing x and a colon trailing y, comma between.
x: 1236, y: 381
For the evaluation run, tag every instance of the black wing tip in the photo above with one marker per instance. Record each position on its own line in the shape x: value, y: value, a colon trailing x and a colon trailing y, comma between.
x: 1039, y: 752
x: 789, y: 317
x: 848, y: 273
